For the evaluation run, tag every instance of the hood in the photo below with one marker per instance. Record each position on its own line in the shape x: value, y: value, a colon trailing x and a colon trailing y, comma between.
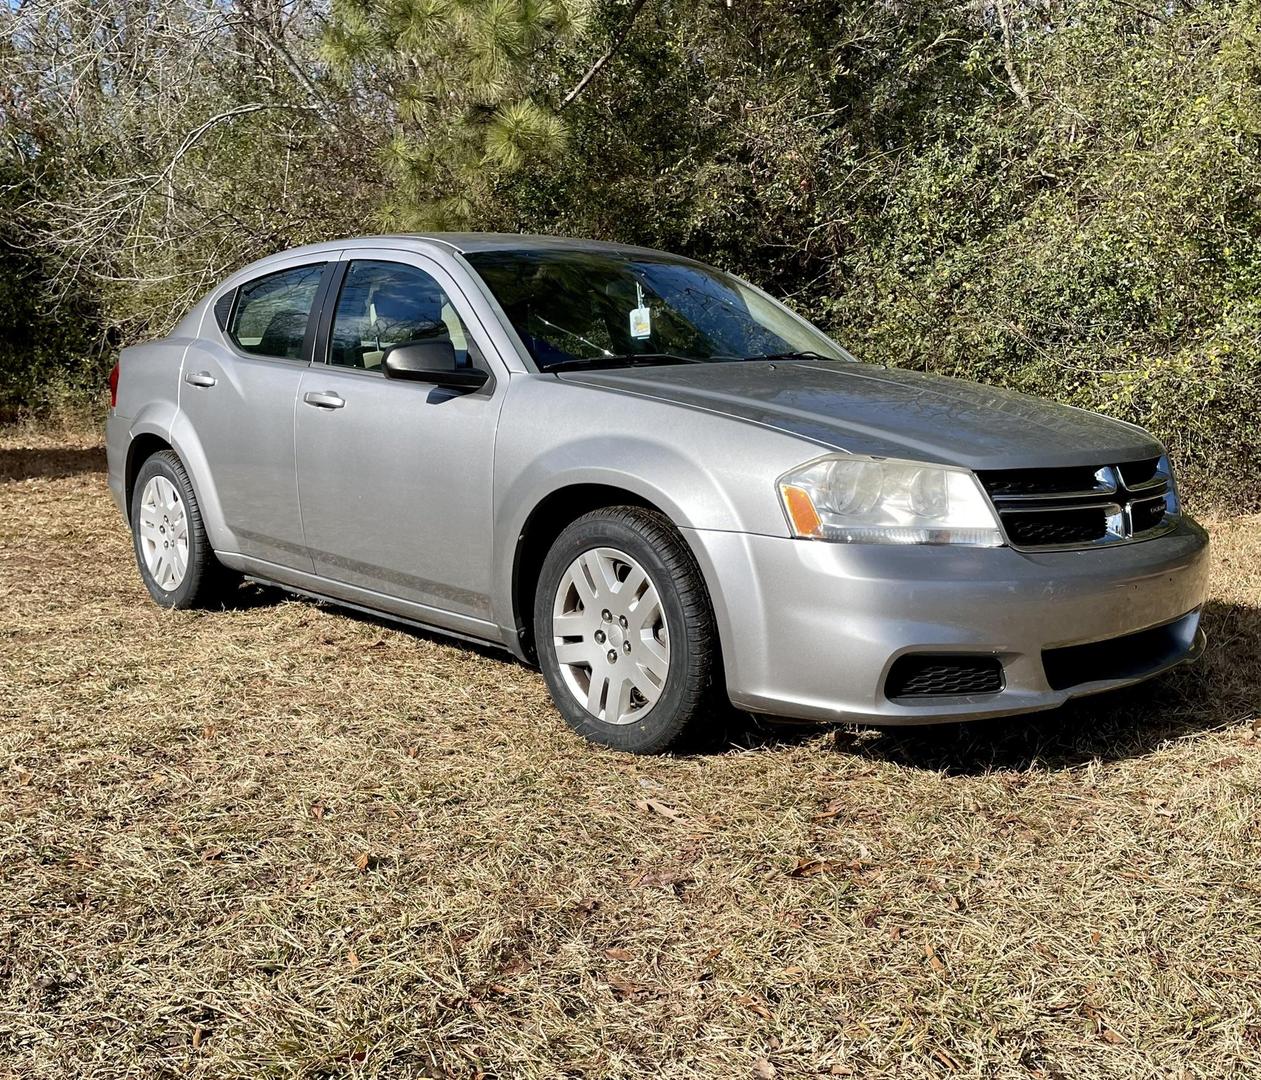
x: 887, y: 412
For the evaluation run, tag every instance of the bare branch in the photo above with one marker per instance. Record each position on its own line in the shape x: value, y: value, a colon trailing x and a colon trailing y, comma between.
x: 323, y: 106
x: 1154, y: 16
x: 1017, y: 84
x: 604, y: 57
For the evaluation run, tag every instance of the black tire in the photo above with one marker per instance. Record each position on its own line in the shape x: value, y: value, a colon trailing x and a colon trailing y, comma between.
x: 691, y: 693
x: 206, y: 581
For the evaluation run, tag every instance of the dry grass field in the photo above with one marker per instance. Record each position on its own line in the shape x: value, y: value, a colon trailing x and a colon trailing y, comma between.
x: 281, y: 840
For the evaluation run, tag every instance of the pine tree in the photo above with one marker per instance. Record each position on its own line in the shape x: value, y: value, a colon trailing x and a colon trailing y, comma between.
x: 462, y: 81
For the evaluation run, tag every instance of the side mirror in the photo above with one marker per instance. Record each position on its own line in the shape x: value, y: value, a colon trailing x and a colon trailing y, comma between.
x: 430, y: 362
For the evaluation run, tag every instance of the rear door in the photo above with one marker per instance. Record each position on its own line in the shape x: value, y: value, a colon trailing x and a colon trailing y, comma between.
x: 394, y: 476
x: 238, y: 387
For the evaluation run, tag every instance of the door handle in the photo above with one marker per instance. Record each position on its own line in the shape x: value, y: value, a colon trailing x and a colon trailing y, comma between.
x: 324, y: 399
x: 200, y: 378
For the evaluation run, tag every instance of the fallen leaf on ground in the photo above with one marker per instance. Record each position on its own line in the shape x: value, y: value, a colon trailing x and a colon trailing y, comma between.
x: 626, y: 988
x: 833, y: 809
x: 810, y: 867
x: 754, y: 1005
x: 655, y: 806
x: 669, y: 877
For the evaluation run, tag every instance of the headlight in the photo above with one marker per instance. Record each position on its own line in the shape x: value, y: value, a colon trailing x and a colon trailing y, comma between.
x: 856, y: 500
x: 1173, y: 504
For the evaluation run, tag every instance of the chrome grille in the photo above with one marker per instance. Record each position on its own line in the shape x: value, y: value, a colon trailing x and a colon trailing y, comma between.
x: 1080, y: 507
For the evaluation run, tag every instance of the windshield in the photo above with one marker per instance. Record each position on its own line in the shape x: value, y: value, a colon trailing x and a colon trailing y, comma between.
x: 600, y: 309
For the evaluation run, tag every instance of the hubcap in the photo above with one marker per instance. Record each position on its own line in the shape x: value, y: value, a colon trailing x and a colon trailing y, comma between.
x: 610, y: 634
x: 163, y: 533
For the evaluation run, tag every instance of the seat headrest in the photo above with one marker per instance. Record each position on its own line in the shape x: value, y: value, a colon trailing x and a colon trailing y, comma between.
x: 410, y: 306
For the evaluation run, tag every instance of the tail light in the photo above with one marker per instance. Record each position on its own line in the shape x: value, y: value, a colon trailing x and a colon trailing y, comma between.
x: 113, y: 387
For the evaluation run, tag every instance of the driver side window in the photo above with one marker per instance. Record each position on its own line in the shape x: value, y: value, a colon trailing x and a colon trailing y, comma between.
x: 385, y: 303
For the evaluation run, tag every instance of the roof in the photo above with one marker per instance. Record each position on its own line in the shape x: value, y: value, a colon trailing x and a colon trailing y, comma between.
x: 463, y: 243
x: 492, y: 241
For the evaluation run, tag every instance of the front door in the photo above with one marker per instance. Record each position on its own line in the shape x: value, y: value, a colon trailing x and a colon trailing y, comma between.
x: 394, y: 477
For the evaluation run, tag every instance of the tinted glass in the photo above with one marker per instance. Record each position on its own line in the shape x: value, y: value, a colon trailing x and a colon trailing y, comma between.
x: 272, y: 312
x: 383, y: 304
x: 581, y: 308
x: 223, y: 308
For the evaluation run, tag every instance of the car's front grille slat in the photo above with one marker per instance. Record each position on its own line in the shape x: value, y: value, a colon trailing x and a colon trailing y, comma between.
x: 1045, y: 483
x: 1079, y: 506
x: 1043, y: 527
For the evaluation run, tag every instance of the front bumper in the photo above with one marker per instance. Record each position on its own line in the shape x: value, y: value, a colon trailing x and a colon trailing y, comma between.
x: 809, y: 630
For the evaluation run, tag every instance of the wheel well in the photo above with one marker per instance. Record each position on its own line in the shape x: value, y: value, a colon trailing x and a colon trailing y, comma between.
x: 545, y: 523
x: 141, y: 449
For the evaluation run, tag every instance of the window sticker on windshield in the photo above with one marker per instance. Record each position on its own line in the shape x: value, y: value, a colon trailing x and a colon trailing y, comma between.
x: 640, y: 317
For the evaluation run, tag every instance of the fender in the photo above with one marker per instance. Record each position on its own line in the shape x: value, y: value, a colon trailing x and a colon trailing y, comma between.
x: 681, y: 489
x: 165, y: 420
x: 620, y: 440
x: 185, y: 442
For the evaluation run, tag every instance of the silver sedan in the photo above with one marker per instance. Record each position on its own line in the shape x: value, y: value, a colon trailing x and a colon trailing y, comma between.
x: 651, y: 479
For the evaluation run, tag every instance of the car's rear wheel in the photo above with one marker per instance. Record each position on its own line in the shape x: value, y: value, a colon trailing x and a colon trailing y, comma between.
x: 624, y: 630
x: 176, y: 561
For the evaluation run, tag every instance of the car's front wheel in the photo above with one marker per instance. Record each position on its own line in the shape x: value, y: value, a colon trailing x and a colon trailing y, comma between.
x: 176, y: 561
x: 624, y: 630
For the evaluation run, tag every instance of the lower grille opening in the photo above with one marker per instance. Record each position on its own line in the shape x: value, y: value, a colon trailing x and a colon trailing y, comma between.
x: 943, y: 676
x: 1036, y: 528
x: 1126, y: 657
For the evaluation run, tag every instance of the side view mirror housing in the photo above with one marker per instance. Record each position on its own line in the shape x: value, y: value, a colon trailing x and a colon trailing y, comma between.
x: 430, y: 362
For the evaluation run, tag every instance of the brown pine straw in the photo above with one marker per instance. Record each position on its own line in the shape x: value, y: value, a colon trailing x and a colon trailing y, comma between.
x: 280, y: 840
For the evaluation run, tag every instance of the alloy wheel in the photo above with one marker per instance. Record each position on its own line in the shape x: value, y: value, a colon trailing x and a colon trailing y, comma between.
x: 610, y: 635
x: 163, y: 530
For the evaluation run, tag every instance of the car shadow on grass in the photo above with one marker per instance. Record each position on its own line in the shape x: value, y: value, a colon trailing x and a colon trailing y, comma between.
x: 24, y: 463
x: 1217, y: 692
x: 256, y: 594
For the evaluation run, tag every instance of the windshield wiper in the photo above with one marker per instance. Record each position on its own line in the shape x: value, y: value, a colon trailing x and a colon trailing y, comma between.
x: 802, y: 354
x: 614, y: 360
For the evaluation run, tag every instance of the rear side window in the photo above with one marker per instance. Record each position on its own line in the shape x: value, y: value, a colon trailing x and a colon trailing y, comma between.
x: 223, y: 308
x: 272, y: 312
